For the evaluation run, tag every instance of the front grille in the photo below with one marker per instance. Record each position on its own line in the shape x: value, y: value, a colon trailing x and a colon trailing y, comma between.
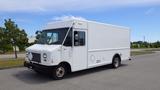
x: 36, y: 57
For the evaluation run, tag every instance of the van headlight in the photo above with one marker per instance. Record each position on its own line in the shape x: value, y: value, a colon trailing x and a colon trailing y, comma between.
x: 44, y: 55
x: 27, y: 54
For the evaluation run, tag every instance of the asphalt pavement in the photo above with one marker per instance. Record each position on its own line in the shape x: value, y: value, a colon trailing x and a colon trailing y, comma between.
x: 142, y: 73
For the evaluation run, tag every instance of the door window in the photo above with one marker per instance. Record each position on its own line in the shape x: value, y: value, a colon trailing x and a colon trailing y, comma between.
x: 79, y: 38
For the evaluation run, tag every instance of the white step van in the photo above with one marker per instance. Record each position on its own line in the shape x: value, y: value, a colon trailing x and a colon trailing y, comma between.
x: 74, y: 45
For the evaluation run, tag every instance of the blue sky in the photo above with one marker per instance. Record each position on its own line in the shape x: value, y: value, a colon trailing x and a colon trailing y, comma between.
x: 142, y: 16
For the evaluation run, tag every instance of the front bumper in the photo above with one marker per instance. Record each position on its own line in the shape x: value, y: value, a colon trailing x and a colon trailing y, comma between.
x: 38, y: 67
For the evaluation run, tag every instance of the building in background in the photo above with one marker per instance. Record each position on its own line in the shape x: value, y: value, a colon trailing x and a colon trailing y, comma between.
x: 31, y: 39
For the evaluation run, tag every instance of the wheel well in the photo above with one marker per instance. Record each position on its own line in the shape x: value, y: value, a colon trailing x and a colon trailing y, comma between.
x: 116, y: 55
x: 67, y: 65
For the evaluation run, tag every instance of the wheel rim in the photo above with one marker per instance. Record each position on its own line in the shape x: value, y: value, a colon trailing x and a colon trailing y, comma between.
x: 60, y: 72
x: 116, y: 62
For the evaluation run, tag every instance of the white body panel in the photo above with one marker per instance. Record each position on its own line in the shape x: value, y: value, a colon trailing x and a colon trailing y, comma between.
x: 102, y: 42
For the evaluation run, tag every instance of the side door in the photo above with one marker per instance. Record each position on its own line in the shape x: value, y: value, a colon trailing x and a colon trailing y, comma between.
x: 67, y: 50
x: 79, y: 49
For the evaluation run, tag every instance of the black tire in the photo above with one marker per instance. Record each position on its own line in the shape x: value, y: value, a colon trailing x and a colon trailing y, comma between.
x: 116, y: 62
x: 59, y: 72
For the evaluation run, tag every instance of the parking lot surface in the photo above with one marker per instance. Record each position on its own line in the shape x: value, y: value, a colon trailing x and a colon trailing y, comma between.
x: 142, y: 73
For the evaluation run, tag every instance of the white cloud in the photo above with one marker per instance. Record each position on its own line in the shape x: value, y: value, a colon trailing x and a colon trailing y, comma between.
x: 63, y: 5
x: 64, y: 18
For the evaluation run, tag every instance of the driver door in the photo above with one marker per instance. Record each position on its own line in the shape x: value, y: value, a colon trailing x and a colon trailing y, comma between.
x: 79, y: 49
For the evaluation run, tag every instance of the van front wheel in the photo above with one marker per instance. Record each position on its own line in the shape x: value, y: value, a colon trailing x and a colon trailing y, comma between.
x: 59, y: 72
x: 116, y: 62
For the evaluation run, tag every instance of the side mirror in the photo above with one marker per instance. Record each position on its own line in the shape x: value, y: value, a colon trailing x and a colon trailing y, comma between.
x: 38, y: 32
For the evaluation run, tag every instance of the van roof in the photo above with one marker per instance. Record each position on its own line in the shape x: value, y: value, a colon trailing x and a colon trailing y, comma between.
x: 88, y: 21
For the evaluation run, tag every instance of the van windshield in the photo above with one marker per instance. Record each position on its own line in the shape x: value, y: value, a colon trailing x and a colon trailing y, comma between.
x: 52, y: 36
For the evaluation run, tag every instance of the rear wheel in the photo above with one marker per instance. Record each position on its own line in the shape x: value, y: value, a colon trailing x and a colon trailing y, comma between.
x: 116, y: 62
x: 59, y: 72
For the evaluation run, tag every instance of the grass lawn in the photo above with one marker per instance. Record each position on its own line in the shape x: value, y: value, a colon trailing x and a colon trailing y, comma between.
x: 154, y: 49
x: 145, y: 51
x: 134, y: 53
x: 12, y: 52
x: 11, y: 63
x: 19, y: 62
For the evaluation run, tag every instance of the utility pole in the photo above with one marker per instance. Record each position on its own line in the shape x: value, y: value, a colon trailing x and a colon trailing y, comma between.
x: 144, y: 38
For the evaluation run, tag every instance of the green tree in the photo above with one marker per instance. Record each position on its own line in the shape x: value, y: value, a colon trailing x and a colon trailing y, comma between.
x: 4, y: 41
x: 1, y: 39
x: 16, y: 36
x: 156, y: 44
x: 22, y: 40
x: 38, y: 34
x: 141, y: 44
